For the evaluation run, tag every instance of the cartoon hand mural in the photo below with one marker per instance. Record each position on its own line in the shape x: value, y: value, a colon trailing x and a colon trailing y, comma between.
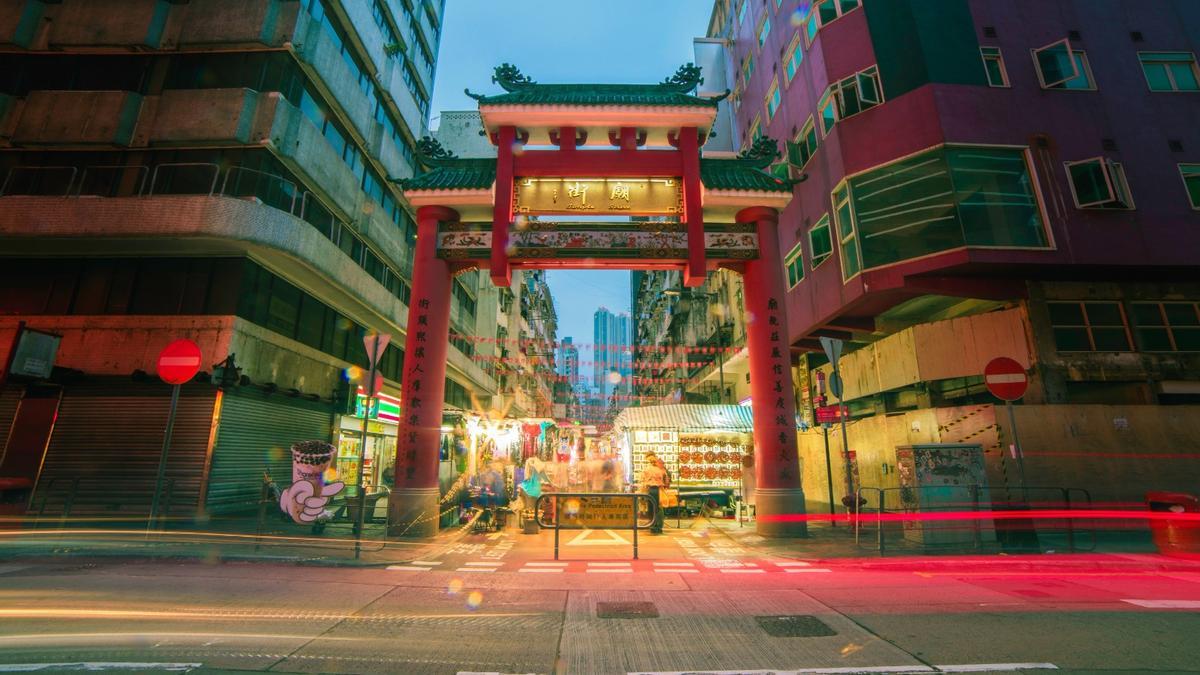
x: 308, y: 495
x: 304, y: 504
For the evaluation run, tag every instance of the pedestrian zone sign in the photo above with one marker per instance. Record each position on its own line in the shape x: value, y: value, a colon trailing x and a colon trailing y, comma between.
x: 597, y: 512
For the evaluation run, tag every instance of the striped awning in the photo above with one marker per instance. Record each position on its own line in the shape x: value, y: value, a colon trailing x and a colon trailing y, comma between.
x: 686, y: 417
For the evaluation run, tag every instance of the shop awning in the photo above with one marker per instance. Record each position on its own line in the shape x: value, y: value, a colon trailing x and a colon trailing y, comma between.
x: 686, y: 417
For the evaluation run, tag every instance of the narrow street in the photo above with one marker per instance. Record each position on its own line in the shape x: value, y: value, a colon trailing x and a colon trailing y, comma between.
x: 695, y: 598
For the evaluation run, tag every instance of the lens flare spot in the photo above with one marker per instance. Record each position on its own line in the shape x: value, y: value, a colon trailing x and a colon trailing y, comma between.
x: 455, y: 587
x: 474, y: 600
x: 801, y: 13
x: 518, y: 148
x: 851, y: 648
x: 354, y: 373
x: 276, y: 454
x: 331, y: 475
x: 614, y: 377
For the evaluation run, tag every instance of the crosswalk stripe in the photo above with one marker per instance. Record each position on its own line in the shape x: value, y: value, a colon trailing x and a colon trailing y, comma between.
x: 476, y: 569
x: 609, y: 564
x: 408, y: 568
x: 674, y: 564
x: 782, y: 563
x: 677, y: 570
x: 543, y: 570
x: 611, y: 570
x: 743, y: 570
x: 427, y: 562
x: 806, y: 569
x: 545, y: 564
x: 484, y: 564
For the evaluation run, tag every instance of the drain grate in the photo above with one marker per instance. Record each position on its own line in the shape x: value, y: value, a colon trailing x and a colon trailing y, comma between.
x: 800, y: 625
x: 626, y: 610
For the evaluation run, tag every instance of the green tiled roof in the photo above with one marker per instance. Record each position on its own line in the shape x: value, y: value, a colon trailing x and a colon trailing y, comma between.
x: 454, y: 174
x: 652, y: 95
x: 479, y: 174
x: 738, y: 174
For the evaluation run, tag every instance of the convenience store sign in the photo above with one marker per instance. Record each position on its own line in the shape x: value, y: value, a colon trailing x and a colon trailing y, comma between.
x: 383, y: 408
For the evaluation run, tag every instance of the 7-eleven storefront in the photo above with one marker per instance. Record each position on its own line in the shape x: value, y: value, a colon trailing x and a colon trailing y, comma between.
x: 382, y: 428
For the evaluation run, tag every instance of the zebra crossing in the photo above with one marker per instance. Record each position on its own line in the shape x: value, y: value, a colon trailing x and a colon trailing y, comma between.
x: 697, y: 566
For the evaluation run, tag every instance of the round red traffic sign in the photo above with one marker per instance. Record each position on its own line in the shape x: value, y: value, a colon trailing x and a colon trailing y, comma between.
x: 1005, y: 378
x: 179, y: 362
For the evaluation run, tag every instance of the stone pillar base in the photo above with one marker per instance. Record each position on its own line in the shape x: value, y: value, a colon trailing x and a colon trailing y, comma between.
x: 786, y: 504
x: 413, y: 512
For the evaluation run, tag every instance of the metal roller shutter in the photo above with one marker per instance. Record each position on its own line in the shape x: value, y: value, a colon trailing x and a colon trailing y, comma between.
x: 255, y: 434
x: 10, y: 396
x: 110, y: 439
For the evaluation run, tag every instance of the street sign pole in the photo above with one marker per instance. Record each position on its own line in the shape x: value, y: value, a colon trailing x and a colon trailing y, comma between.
x: 162, y: 458
x: 375, y: 344
x: 177, y: 363
x: 821, y: 400
x: 1016, y: 444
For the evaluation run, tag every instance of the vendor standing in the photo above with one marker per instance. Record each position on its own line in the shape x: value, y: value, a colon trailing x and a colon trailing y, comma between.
x: 654, y: 479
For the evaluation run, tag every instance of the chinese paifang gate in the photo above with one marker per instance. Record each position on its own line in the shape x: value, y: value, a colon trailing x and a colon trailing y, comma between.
x: 699, y: 213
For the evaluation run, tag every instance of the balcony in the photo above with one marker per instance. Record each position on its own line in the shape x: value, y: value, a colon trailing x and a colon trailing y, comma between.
x: 78, y: 118
x: 238, y: 23
x: 139, y: 24
x: 212, y: 116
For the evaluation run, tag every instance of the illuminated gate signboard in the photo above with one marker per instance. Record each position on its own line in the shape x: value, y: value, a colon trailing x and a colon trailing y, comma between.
x: 599, y: 196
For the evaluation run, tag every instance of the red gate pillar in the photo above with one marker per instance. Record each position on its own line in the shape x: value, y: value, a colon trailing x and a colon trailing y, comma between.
x: 780, y: 498
x: 413, y: 504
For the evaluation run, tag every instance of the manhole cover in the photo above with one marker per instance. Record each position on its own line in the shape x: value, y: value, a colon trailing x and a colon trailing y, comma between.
x: 801, y: 625
x: 626, y: 610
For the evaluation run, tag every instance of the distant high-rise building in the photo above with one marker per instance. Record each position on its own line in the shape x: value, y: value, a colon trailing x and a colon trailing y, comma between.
x: 568, y: 361
x: 612, y: 340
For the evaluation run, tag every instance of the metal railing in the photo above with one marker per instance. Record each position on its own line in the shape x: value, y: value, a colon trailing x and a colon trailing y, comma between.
x: 944, y: 516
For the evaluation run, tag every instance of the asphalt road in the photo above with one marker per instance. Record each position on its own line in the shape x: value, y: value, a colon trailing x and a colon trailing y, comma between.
x: 695, y: 601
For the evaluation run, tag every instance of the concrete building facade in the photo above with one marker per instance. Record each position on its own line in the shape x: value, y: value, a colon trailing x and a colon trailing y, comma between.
x: 988, y: 179
x: 222, y: 172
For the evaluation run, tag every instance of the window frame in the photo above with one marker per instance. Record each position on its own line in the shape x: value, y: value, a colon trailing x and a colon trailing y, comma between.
x: 999, y: 59
x: 844, y: 188
x: 813, y: 261
x: 1079, y: 64
x: 747, y: 68
x: 1170, y: 75
x: 763, y: 32
x: 794, y: 48
x: 1195, y: 167
x: 773, y: 93
x: 1114, y: 179
x: 1087, y: 326
x: 800, y: 140
x: 796, y: 255
x: 1165, y: 325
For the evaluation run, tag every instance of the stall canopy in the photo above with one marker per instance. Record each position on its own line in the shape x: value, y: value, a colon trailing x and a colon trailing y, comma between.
x: 685, y: 417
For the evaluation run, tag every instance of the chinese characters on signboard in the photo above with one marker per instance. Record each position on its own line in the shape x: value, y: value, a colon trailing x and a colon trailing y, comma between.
x: 784, y: 409
x: 606, y: 196
x: 407, y: 458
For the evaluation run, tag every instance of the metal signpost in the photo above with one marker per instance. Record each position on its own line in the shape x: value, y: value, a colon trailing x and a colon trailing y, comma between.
x: 833, y: 350
x: 825, y: 432
x: 375, y: 344
x: 177, y: 363
x: 596, y: 511
x: 1007, y: 381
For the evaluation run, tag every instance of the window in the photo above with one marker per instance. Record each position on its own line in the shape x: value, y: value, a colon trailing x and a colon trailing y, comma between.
x: 1167, y: 326
x: 1099, y: 183
x: 773, y: 99
x: 1170, y: 71
x: 847, y: 237
x: 804, y: 146
x: 848, y: 97
x: 820, y: 242
x: 1060, y: 67
x: 794, y: 265
x: 793, y: 57
x: 755, y: 130
x: 764, y: 29
x: 942, y: 199
x: 747, y: 68
x: 810, y: 29
x: 828, y: 11
x: 993, y: 63
x: 1191, y: 181
x: 1089, y: 327
x: 742, y: 11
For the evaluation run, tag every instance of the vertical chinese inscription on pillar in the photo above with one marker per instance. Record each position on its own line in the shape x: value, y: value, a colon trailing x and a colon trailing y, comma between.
x: 412, y: 385
x: 783, y: 420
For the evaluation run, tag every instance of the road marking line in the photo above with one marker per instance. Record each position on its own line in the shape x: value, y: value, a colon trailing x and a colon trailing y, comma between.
x: 408, y: 568
x: 542, y: 570
x: 609, y: 564
x: 426, y: 562
x: 484, y: 564
x: 610, y: 570
x: 95, y: 666
x: 806, y: 569
x: 476, y: 569
x: 736, y: 570
x: 992, y: 667
x: 674, y: 564
x: 954, y: 668
x: 781, y: 563
x: 1165, y: 604
x: 545, y: 564
x: 677, y: 570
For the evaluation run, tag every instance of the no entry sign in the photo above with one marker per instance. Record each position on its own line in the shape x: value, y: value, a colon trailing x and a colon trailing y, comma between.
x: 179, y: 362
x: 1005, y: 378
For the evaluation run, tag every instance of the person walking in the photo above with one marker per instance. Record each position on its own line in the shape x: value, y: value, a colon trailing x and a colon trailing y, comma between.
x: 654, y: 479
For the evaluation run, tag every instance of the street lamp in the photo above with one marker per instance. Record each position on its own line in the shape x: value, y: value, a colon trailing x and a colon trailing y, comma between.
x: 721, y: 328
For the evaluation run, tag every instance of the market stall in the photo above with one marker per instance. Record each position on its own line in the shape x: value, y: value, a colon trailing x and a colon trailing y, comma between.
x: 701, y: 445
